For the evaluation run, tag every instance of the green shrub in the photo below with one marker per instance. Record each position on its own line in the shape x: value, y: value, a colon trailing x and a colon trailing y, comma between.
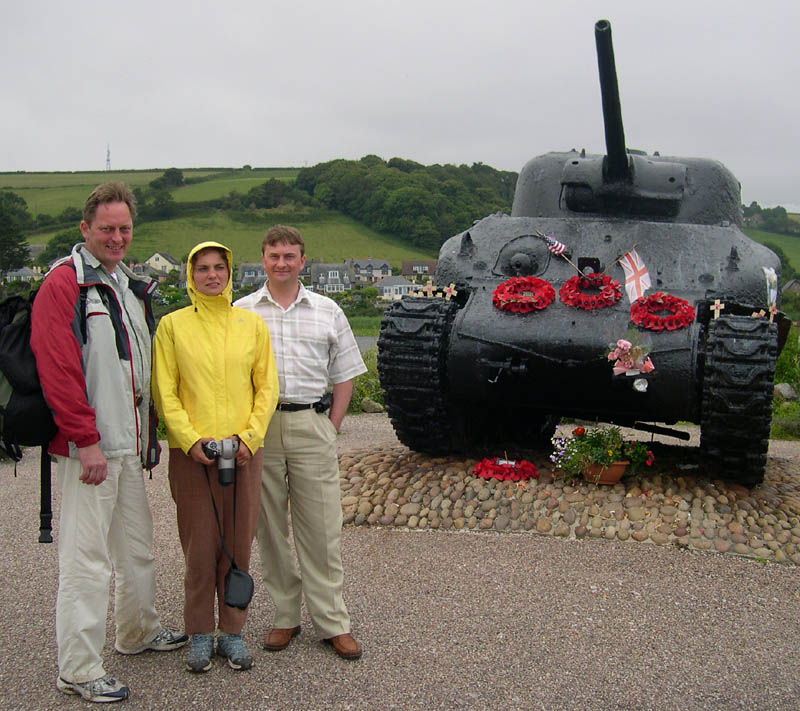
x: 367, y: 384
x: 365, y: 325
x: 787, y: 369
x: 786, y: 421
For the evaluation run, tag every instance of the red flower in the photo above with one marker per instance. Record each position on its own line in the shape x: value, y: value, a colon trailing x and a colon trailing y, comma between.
x: 579, y: 431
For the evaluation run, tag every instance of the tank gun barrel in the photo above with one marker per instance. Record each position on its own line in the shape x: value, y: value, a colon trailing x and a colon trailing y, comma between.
x: 617, y: 167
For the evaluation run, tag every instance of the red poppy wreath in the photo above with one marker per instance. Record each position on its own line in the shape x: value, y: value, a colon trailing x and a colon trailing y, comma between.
x: 660, y: 312
x: 505, y: 469
x: 591, y: 291
x: 522, y: 295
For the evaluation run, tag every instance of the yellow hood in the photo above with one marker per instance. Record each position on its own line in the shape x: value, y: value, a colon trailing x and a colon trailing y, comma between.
x: 195, y: 296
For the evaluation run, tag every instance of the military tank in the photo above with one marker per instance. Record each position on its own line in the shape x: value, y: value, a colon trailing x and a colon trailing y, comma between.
x: 521, y: 328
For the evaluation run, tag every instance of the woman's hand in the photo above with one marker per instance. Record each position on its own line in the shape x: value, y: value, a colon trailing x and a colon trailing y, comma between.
x: 196, y: 452
x: 243, y: 455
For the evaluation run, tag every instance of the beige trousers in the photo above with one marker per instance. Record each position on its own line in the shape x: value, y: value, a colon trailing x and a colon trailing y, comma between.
x: 100, y: 527
x: 301, y: 471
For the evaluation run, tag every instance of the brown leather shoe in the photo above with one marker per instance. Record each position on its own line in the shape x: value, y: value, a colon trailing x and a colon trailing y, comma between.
x: 345, y: 645
x: 278, y: 639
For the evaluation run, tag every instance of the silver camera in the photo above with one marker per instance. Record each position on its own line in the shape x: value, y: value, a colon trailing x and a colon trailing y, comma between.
x: 224, y: 451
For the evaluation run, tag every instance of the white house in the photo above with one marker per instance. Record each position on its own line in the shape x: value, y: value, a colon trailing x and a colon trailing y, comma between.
x: 163, y: 262
x: 394, y: 287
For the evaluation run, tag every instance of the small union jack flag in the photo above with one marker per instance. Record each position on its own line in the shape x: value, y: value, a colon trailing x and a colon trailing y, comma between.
x: 553, y: 244
x: 637, y: 278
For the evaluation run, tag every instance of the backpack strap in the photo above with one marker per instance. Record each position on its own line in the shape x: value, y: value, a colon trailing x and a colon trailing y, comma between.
x: 45, y: 508
x: 83, y: 300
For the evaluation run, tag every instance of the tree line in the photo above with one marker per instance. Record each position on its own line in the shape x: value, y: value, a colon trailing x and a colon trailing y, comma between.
x: 771, y: 219
x: 422, y: 204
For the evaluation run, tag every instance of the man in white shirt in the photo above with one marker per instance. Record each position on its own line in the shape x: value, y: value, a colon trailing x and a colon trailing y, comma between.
x: 313, y: 347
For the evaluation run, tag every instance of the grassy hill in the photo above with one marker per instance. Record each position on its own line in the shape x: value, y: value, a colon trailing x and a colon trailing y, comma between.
x: 223, y: 184
x: 789, y: 244
x: 51, y: 193
x: 331, y: 238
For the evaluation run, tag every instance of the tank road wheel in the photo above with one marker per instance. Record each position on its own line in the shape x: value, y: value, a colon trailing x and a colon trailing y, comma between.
x: 737, y: 395
x: 412, y: 354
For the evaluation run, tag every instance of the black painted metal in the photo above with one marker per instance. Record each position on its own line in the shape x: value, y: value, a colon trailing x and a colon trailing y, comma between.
x: 617, y: 157
x: 494, y: 368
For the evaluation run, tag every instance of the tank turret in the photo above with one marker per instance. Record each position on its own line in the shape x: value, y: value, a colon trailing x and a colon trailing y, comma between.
x: 597, y: 248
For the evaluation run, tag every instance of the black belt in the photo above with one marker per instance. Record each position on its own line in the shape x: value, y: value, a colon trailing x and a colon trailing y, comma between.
x: 294, y: 406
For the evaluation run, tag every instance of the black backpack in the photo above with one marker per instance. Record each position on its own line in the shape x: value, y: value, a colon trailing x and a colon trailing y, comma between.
x: 25, y: 418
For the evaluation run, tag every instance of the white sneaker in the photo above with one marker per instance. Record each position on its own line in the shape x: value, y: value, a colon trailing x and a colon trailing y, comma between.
x: 165, y: 641
x: 102, y: 690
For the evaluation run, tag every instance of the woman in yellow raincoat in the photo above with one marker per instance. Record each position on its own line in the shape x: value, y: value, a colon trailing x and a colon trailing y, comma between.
x: 214, y: 378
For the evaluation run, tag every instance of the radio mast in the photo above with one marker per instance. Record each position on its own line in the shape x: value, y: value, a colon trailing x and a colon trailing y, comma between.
x: 108, y: 157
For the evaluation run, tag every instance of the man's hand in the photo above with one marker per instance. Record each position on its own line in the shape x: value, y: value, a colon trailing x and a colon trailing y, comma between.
x: 94, y: 468
x: 342, y: 392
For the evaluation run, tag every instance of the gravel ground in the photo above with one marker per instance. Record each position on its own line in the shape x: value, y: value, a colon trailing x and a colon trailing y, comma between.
x: 448, y: 620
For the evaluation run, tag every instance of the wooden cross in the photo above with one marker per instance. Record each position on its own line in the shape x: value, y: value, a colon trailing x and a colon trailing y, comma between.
x: 428, y: 289
x: 773, y: 311
x: 449, y: 291
x: 716, y: 307
x: 759, y: 314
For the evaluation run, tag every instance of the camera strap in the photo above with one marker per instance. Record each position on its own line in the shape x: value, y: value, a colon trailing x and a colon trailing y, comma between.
x: 216, y: 515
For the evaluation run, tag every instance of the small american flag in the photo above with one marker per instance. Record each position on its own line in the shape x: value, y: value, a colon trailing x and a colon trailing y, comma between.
x: 637, y: 278
x: 554, y: 245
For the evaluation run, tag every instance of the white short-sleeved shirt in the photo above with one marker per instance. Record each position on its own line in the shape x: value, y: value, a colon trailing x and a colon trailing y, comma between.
x: 312, y: 342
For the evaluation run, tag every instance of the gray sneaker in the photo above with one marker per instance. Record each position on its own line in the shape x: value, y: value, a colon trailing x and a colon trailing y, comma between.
x: 201, y: 647
x: 102, y: 690
x: 232, y: 647
x: 165, y: 641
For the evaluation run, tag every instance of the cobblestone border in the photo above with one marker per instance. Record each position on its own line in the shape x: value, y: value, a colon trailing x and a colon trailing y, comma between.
x: 394, y: 486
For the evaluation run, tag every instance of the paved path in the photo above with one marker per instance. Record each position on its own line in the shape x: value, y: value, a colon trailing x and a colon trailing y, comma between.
x: 448, y: 621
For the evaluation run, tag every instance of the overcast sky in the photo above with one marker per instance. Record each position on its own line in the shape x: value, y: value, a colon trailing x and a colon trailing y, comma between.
x: 294, y: 83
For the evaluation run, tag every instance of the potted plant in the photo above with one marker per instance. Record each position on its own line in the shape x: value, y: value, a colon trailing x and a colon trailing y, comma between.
x: 600, y: 454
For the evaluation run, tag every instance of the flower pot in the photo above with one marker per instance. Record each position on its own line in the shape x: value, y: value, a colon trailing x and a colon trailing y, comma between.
x: 599, y: 474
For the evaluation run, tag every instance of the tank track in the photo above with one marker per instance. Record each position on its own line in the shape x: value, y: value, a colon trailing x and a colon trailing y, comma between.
x: 740, y: 358
x: 412, y: 349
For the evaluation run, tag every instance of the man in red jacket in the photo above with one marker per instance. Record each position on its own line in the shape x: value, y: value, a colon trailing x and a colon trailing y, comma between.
x: 91, y: 335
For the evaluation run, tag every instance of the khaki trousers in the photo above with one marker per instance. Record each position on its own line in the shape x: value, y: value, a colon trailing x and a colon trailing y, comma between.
x: 206, y: 564
x: 100, y: 527
x: 301, y: 470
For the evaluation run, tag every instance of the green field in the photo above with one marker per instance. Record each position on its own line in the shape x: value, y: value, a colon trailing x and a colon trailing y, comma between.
x: 331, y: 239
x: 50, y: 193
x: 221, y: 186
x: 788, y: 243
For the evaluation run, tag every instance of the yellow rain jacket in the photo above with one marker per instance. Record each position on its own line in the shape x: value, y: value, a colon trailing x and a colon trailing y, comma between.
x: 214, y: 372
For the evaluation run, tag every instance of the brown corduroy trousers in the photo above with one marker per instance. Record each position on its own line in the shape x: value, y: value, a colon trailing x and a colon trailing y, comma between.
x: 206, y: 564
